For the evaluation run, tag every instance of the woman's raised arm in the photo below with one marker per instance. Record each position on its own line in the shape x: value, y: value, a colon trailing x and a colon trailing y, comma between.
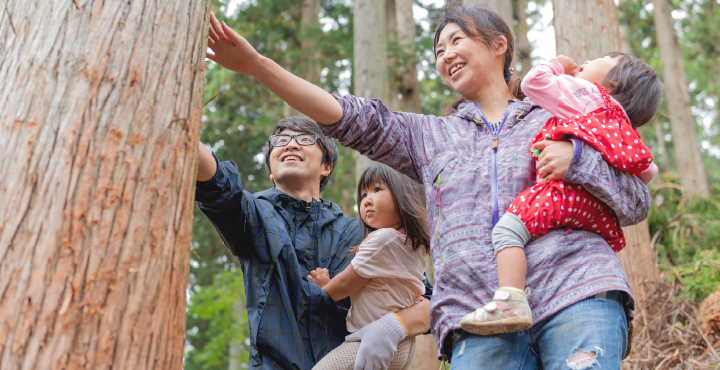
x: 235, y: 53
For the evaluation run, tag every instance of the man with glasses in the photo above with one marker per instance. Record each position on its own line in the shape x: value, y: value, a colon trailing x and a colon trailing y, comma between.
x: 283, y: 233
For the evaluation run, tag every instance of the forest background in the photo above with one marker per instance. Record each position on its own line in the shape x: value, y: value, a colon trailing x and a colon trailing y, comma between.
x: 240, y: 113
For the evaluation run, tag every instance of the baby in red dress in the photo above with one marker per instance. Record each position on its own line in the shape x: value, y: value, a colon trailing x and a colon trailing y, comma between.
x: 607, y: 121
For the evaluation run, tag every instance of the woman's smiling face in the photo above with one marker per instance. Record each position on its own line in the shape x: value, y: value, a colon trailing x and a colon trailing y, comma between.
x: 464, y: 62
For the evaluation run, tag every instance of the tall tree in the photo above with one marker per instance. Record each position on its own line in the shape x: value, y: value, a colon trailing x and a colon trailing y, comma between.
x: 523, y: 43
x: 308, y: 64
x: 370, y: 72
x: 585, y: 30
x: 404, y: 88
x: 99, y: 121
x: 682, y: 122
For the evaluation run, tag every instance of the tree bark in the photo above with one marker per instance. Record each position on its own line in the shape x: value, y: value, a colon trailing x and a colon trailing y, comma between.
x: 523, y: 43
x: 100, y: 116
x: 585, y: 30
x: 370, y: 74
x: 660, y: 137
x: 308, y: 65
x: 682, y: 122
x: 404, y: 85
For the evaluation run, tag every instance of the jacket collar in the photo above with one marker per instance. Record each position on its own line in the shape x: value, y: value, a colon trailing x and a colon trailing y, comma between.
x: 285, y: 201
x: 469, y: 112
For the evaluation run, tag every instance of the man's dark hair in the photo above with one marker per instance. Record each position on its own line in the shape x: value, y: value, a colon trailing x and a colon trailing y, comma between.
x: 637, y: 87
x: 409, y: 198
x: 305, y: 125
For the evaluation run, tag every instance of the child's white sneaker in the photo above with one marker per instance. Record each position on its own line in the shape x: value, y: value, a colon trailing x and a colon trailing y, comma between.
x: 508, y: 312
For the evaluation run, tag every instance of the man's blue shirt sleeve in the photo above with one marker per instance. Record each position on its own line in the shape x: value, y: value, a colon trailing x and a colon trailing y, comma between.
x: 221, y: 199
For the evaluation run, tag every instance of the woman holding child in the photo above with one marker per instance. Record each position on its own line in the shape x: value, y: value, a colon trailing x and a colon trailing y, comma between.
x: 473, y: 163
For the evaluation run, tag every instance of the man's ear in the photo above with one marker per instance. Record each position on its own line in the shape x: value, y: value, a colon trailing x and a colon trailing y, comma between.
x: 272, y: 178
x: 327, y: 169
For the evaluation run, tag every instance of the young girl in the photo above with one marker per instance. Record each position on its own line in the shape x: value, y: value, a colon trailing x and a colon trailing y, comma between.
x: 584, y: 109
x: 386, y: 273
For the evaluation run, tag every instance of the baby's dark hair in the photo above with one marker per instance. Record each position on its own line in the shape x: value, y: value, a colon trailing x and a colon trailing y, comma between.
x: 637, y: 87
x: 409, y: 199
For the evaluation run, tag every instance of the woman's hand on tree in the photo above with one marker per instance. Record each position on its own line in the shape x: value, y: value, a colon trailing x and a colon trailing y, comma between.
x: 554, y: 160
x: 320, y: 276
x: 231, y: 50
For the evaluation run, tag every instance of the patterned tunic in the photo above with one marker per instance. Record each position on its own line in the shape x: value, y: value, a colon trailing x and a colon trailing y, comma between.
x: 467, y: 182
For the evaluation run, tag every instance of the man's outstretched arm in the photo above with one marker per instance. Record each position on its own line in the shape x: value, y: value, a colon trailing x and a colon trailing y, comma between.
x: 206, y: 164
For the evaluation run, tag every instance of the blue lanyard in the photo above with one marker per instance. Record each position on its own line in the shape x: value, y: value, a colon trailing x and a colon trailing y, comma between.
x: 493, y: 169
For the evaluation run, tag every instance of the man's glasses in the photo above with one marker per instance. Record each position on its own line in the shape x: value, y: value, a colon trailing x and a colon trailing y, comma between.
x: 301, y: 139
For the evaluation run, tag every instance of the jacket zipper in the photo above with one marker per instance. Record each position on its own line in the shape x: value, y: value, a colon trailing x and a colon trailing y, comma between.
x: 493, y: 166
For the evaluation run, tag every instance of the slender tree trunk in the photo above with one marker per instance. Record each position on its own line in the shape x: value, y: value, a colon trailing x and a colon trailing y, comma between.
x: 99, y: 124
x: 308, y: 65
x: 523, y: 43
x: 404, y: 85
x: 370, y: 73
x: 236, y: 345
x: 660, y: 137
x: 682, y: 122
x: 584, y: 30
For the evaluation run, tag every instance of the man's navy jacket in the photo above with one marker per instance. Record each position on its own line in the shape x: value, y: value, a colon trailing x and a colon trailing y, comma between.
x: 279, y: 240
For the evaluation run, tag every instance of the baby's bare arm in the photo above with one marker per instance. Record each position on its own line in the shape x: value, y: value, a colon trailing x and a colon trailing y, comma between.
x: 342, y: 285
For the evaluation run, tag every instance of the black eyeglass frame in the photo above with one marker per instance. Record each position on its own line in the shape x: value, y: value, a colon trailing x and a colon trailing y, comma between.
x: 294, y: 137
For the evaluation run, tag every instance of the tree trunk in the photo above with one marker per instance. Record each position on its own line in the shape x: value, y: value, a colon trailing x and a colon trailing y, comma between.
x: 370, y: 74
x: 308, y: 65
x: 99, y: 125
x: 682, y: 122
x: 404, y: 85
x: 585, y: 30
x: 660, y: 137
x: 236, y: 345
x: 523, y: 43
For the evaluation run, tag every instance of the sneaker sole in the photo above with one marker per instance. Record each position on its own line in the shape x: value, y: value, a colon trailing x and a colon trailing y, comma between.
x: 509, y: 325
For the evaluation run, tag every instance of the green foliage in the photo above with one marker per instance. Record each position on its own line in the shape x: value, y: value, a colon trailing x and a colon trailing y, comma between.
x: 686, y: 236
x: 700, y: 278
x: 212, y: 319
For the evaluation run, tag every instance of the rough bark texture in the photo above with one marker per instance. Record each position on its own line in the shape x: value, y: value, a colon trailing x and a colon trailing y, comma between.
x: 370, y: 71
x: 308, y: 65
x: 523, y: 43
x: 99, y: 124
x: 682, y: 122
x: 404, y: 85
x: 585, y: 30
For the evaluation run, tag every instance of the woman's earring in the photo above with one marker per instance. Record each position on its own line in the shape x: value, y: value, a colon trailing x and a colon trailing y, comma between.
x: 512, y: 70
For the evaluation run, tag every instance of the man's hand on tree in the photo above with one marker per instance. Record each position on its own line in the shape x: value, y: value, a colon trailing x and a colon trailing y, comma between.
x: 320, y: 276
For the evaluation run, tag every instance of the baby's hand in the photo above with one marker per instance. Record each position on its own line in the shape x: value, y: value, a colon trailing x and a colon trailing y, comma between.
x: 320, y: 276
x: 568, y: 64
x: 647, y: 175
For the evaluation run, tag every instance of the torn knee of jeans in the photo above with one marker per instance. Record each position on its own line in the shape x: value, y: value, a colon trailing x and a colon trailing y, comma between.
x: 584, y: 359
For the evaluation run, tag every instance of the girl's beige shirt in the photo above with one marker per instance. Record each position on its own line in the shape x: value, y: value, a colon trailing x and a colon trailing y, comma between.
x: 396, y: 277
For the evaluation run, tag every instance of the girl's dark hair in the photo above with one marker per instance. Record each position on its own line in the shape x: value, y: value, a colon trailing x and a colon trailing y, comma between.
x: 485, y: 26
x: 409, y: 199
x: 637, y: 87
x: 305, y: 125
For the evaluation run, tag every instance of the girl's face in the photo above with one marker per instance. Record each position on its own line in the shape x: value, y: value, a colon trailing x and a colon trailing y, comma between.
x: 377, y: 207
x: 595, y: 70
x: 465, y: 63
